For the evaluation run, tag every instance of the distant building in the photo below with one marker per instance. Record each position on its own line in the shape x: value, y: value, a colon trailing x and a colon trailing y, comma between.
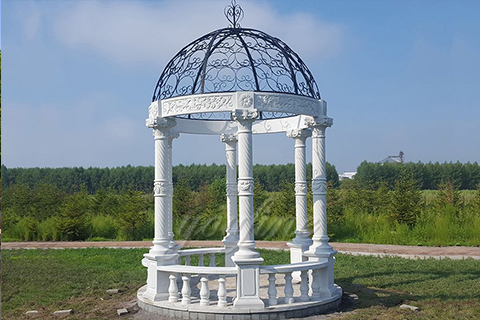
x: 393, y: 159
x: 347, y: 175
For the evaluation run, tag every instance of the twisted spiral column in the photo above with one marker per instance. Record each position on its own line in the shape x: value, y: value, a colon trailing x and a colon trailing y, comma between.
x: 246, y: 243
x: 162, y: 186
x: 171, y: 137
x: 319, y: 184
x: 301, y: 233
x: 231, y: 238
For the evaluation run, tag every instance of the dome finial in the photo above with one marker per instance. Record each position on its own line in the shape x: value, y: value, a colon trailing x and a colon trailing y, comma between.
x: 234, y: 14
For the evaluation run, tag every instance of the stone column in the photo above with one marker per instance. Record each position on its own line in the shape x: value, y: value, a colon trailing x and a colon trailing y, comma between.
x: 301, y: 242
x: 173, y: 244
x: 160, y: 253
x: 246, y: 258
x: 231, y: 239
x: 321, y: 250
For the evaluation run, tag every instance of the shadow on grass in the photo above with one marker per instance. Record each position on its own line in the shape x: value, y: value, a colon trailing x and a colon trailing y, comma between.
x: 390, y: 289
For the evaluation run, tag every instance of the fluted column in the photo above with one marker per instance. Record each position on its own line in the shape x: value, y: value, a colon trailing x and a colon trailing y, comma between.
x: 231, y: 238
x: 319, y: 184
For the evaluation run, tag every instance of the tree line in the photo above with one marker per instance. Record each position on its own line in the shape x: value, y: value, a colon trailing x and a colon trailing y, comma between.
x: 140, y: 178
x: 427, y: 176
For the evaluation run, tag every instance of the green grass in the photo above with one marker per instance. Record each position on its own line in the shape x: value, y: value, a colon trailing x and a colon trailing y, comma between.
x: 78, y: 278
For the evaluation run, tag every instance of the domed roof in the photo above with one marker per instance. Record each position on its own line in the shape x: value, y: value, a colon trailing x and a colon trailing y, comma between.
x: 235, y: 59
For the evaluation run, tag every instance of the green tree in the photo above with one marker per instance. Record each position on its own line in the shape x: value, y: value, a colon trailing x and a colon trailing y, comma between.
x: 406, y: 200
x: 73, y: 223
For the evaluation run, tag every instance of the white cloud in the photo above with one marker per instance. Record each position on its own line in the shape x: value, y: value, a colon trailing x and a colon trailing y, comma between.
x: 146, y: 33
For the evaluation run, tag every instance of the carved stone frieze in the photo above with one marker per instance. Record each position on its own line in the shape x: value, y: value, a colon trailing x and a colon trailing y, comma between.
x: 197, y: 104
x: 287, y: 103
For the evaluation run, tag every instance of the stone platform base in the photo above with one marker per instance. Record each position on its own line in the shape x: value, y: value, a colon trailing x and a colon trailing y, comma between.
x: 213, y: 312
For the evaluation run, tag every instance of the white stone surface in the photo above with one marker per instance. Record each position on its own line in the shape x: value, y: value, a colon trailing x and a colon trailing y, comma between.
x: 238, y: 285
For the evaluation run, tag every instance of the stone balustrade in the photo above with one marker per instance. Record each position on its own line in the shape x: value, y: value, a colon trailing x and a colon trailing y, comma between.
x: 190, y: 284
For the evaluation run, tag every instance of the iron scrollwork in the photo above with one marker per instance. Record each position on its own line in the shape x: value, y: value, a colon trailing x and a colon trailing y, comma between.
x: 236, y: 59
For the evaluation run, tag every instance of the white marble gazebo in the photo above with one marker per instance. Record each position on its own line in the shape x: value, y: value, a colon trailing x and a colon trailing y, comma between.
x: 236, y: 83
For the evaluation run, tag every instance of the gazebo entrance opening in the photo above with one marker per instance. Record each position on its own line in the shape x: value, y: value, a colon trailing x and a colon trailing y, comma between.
x: 237, y: 83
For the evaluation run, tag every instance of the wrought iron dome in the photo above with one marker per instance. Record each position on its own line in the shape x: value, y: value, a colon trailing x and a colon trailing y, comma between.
x: 236, y: 59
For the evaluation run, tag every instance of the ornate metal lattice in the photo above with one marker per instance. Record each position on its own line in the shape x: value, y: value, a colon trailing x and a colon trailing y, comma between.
x: 236, y: 59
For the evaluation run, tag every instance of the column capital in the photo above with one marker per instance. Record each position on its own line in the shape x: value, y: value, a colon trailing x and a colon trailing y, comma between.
x: 315, y: 122
x: 161, y: 123
x: 244, y: 114
x: 299, y: 134
x: 228, y: 138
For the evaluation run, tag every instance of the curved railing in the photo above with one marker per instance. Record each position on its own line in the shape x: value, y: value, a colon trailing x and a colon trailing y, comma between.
x: 309, y: 279
x: 287, y: 270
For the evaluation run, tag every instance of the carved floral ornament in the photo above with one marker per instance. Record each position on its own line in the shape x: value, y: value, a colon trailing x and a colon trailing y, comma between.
x: 245, y: 186
x: 318, y: 122
x: 299, y: 133
x: 244, y: 114
x: 163, y: 188
x: 227, y: 138
x: 300, y: 187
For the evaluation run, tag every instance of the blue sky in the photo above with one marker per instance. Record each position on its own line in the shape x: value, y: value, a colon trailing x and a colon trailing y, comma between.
x: 78, y: 77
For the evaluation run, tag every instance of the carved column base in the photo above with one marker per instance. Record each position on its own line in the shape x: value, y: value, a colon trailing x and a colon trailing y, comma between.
x: 320, y: 246
x: 248, y: 284
x: 158, y: 281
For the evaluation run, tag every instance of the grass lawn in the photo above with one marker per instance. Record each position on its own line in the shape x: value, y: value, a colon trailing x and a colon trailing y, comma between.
x: 49, y: 280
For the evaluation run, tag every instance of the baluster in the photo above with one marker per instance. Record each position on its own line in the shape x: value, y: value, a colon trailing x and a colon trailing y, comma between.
x: 222, y: 291
x: 204, y: 291
x: 173, y: 289
x: 304, y: 286
x: 187, y: 260
x: 272, y: 289
x: 186, y: 290
x: 200, y: 260
x: 212, y: 260
x: 288, y: 288
x: 316, y: 284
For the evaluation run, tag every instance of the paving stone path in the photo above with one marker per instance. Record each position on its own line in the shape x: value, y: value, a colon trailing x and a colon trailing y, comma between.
x: 456, y: 252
